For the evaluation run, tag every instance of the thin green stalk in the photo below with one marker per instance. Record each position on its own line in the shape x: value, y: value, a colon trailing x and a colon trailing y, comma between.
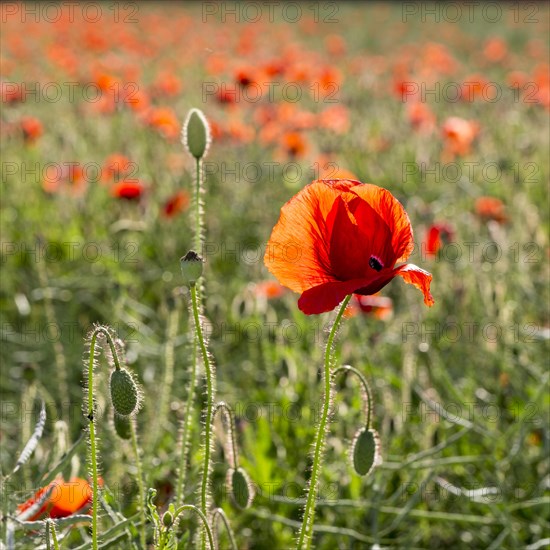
x: 232, y: 450
x: 304, y: 538
x: 93, y: 445
x: 142, y: 534
x: 367, y: 394
x: 50, y: 528
x: 187, y: 424
x: 203, y: 519
x: 189, y: 408
x: 209, y: 402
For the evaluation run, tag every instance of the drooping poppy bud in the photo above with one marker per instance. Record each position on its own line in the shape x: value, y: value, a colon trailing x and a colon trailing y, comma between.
x: 124, y: 392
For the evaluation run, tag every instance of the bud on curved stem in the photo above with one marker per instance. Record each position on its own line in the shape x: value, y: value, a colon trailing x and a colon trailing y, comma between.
x: 365, y: 448
x: 203, y: 519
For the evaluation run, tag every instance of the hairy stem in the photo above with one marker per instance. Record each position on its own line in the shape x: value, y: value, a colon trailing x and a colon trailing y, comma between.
x: 209, y: 402
x: 141, y: 487
x: 203, y: 519
x: 304, y: 537
x: 93, y: 444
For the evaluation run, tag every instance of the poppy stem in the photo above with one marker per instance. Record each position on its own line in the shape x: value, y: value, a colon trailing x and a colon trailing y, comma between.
x: 204, y: 521
x: 141, y: 487
x: 100, y: 330
x: 366, y: 391
x: 210, y: 392
x: 304, y: 538
x: 188, y: 415
x: 232, y: 451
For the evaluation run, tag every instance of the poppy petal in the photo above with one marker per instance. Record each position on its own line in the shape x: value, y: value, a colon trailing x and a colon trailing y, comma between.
x: 421, y: 279
x: 297, y: 251
x: 393, y: 214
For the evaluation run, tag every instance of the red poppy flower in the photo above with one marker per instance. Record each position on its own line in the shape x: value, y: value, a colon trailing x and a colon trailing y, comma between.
x: 339, y: 237
x: 127, y: 189
x: 66, y: 498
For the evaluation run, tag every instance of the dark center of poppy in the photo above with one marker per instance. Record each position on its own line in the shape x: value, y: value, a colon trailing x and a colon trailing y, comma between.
x: 376, y: 263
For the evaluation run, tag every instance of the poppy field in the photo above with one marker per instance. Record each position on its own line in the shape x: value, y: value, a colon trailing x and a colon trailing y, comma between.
x: 274, y: 275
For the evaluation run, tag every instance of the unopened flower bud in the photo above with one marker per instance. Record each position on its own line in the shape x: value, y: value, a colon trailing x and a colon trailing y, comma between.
x: 196, y: 134
x: 124, y: 392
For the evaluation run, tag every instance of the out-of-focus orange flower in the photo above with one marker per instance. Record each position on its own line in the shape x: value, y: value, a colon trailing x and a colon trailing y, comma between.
x: 131, y: 190
x: 495, y: 49
x: 107, y: 82
x: 32, y: 128
x: 67, y: 177
x: 491, y: 208
x: 136, y: 98
x: 11, y: 92
x: 116, y: 167
x: 226, y: 95
x: 459, y: 135
x: 473, y: 87
x: 66, y: 498
x: 164, y: 119
x: 340, y: 237
x: 421, y: 117
x: 294, y: 144
x: 245, y: 76
x: 335, y: 118
x: 380, y: 307
x: 269, y: 289
x: 335, y: 44
x: 438, y: 234
x: 167, y: 84
x: 176, y: 204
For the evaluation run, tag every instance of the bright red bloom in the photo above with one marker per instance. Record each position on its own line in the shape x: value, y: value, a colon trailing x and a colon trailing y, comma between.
x: 127, y: 189
x: 66, y: 498
x: 339, y: 237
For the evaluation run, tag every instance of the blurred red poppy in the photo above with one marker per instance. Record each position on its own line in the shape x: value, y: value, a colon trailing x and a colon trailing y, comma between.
x: 491, y: 208
x: 66, y: 498
x: 339, y: 237
x: 269, y: 289
x: 116, y: 167
x: 459, y: 135
x: 438, y: 233
x: 127, y: 189
x: 32, y: 128
x: 380, y: 307
x: 175, y: 204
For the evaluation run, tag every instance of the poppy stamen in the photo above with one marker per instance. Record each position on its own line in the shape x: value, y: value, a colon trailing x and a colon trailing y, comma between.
x: 376, y: 263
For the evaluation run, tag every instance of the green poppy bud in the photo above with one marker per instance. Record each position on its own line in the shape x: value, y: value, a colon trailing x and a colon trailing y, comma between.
x: 240, y: 488
x: 122, y: 426
x: 365, y: 451
x: 196, y: 134
x: 124, y: 392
